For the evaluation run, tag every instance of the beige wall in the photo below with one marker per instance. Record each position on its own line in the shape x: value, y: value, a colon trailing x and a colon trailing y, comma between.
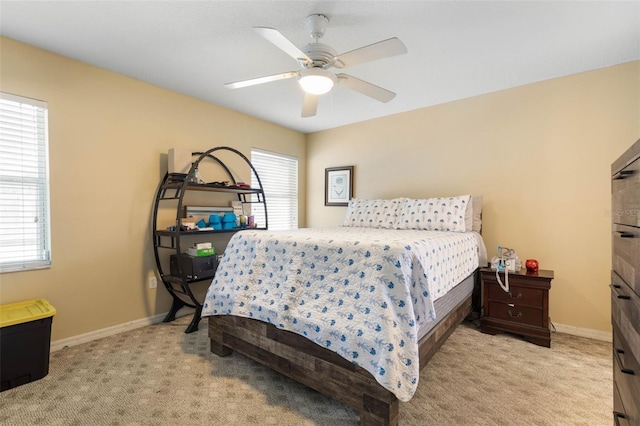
x: 109, y: 136
x: 539, y: 154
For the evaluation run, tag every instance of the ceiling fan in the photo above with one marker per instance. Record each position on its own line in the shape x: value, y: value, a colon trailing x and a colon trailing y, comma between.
x: 316, y: 59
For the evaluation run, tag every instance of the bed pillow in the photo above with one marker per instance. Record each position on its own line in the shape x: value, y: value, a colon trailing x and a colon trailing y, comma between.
x: 373, y: 213
x: 435, y: 214
x: 473, y: 214
x: 477, y: 213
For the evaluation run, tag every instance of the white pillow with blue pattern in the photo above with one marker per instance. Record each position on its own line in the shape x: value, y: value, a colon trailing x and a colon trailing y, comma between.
x: 434, y: 214
x: 373, y: 213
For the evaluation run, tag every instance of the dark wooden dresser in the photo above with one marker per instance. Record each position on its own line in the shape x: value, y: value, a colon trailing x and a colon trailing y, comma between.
x: 625, y: 286
x: 524, y: 310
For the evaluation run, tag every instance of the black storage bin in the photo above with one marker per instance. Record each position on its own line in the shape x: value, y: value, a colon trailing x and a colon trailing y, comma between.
x: 25, y: 342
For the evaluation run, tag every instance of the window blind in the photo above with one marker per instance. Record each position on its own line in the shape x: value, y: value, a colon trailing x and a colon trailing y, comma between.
x: 279, y: 176
x: 24, y: 184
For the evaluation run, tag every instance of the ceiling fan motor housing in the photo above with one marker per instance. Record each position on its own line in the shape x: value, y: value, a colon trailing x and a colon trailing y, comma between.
x: 322, y: 55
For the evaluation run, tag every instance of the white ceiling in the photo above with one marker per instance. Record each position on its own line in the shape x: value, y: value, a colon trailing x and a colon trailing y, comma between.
x: 456, y: 49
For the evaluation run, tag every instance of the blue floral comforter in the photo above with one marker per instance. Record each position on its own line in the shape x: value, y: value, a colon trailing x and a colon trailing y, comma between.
x: 360, y: 292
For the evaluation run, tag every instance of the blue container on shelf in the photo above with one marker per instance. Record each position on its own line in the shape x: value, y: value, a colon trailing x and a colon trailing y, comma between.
x: 229, y: 221
x: 215, y: 222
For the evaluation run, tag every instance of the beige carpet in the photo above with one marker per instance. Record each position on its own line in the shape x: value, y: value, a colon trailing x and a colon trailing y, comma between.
x: 158, y: 375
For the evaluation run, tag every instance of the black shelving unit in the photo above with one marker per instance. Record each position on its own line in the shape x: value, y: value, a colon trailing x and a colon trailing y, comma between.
x: 172, y: 189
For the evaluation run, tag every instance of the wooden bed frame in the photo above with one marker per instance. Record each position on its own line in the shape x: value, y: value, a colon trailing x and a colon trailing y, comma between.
x: 321, y: 369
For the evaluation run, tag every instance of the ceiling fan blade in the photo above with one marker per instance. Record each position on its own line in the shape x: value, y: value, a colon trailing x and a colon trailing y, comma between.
x: 371, y: 90
x: 283, y: 43
x: 372, y: 52
x: 310, y: 105
x: 260, y: 80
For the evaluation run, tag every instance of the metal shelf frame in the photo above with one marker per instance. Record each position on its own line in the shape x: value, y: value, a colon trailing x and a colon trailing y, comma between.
x: 173, y: 187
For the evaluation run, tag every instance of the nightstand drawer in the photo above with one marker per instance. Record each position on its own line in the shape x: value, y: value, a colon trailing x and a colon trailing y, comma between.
x: 516, y: 313
x: 524, y: 310
x: 626, y: 252
x: 517, y: 294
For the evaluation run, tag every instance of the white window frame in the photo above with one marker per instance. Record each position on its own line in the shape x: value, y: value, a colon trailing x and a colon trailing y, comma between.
x: 25, y: 224
x: 279, y: 176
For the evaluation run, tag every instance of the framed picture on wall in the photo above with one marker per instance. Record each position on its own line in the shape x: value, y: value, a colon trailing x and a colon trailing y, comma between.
x: 338, y: 185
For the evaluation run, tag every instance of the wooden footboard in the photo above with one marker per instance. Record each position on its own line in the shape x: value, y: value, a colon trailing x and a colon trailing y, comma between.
x: 319, y: 368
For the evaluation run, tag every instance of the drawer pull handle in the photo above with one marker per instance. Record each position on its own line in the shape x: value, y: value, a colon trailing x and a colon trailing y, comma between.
x: 617, y: 416
x: 619, y: 295
x: 623, y: 234
x: 518, y: 315
x: 622, y: 174
x: 517, y: 296
x: 624, y: 370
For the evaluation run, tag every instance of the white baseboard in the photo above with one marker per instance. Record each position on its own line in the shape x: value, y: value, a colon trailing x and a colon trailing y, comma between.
x: 605, y: 336
x: 143, y: 322
x: 110, y: 331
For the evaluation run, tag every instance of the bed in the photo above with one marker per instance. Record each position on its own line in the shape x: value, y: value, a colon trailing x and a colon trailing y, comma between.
x: 353, y: 311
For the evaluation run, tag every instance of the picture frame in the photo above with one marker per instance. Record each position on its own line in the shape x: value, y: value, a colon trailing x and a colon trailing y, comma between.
x: 338, y: 185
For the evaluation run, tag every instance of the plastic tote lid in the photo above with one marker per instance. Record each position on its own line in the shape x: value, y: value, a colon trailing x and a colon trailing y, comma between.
x: 21, y: 312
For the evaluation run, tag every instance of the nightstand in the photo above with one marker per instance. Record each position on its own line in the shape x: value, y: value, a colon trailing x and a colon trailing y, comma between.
x: 524, y: 310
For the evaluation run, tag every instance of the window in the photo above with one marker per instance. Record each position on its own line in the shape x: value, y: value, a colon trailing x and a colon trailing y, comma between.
x: 24, y: 184
x: 279, y: 176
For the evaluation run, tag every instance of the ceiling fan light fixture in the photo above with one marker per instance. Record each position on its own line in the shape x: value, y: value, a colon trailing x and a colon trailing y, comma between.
x: 316, y: 81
